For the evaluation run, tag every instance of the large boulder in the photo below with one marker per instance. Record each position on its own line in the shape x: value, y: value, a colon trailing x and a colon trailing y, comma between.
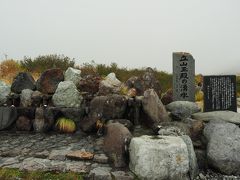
x: 51, y: 114
x: 115, y: 143
x: 22, y: 81
x: 26, y: 98
x: 174, y: 128
x: 182, y: 109
x: 73, y: 75
x: 146, y: 81
x: 75, y: 114
x: 104, y: 108
x: 109, y: 85
x: 150, y: 81
x: 96, y: 106
x: 136, y: 83
x: 7, y: 116
x: 159, y: 157
x: 4, y: 92
x: 89, y: 84
x: 114, y: 107
x: 227, y: 116
x: 190, y: 127
x: 109, y: 107
x: 223, y: 148
x: 154, y: 109
x: 128, y: 124
x: 49, y: 80
x: 67, y: 95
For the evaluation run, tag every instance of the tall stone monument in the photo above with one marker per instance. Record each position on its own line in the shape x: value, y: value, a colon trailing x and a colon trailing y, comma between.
x: 220, y: 93
x: 183, y: 77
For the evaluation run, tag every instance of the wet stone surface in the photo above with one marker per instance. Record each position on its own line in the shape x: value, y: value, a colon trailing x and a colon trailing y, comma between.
x: 47, y: 152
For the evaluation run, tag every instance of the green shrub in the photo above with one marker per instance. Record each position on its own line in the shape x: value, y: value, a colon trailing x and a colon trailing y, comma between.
x: 42, y: 63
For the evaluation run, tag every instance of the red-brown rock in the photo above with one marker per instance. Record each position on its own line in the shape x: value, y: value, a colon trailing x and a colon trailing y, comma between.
x: 49, y: 80
x: 115, y: 143
x: 167, y: 98
x: 23, y: 123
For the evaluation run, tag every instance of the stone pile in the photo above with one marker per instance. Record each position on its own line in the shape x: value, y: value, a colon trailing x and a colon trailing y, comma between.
x: 140, y: 129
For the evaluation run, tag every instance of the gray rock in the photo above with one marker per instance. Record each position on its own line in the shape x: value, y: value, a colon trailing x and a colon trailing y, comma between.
x: 100, y: 173
x: 43, y: 154
x: 75, y: 114
x: 223, y: 148
x: 159, y: 157
x: 4, y: 92
x: 58, y: 155
x: 67, y: 95
x: 201, y: 158
x: 23, y: 81
x: 228, y: 116
x: 77, y: 167
x: 182, y: 109
x: 73, y: 75
x: 193, y: 164
x: 38, y: 122
x: 100, y: 158
x: 37, y: 99
x: 121, y: 175
x: 147, y: 81
x: 26, y: 98
x: 175, y: 130
x: 150, y: 81
x: 188, y: 126
x: 41, y: 123
x: 109, y: 85
x: 108, y: 107
x: 2, y: 83
x: 115, y: 143
x: 35, y: 164
x: 154, y: 109
x: 137, y: 83
x: 9, y: 161
x: 7, y: 116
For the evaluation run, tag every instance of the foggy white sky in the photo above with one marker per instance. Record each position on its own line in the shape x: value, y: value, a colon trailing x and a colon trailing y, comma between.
x: 132, y: 33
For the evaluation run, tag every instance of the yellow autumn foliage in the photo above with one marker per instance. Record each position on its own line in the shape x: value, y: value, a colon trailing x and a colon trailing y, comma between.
x: 65, y: 125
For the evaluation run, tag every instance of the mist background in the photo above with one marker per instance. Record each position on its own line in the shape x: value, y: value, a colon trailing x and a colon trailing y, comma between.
x: 132, y: 33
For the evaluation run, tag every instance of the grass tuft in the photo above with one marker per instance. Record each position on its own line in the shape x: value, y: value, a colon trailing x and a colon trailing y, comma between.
x: 13, y: 174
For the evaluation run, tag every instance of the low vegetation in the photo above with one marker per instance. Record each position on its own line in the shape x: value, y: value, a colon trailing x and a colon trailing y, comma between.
x: 42, y: 63
x: 9, y: 68
x: 65, y: 125
x: 12, y: 174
